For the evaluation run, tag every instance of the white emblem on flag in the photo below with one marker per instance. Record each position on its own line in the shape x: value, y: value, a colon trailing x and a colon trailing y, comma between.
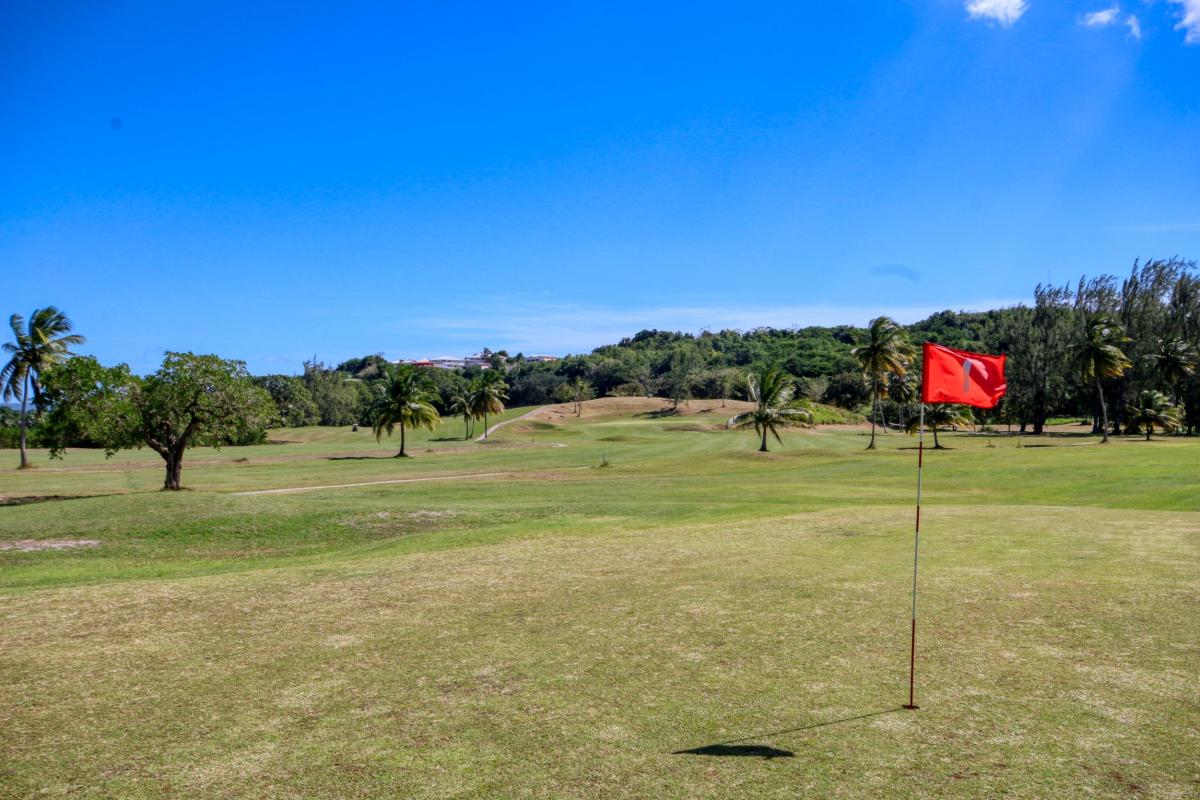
x: 967, y: 364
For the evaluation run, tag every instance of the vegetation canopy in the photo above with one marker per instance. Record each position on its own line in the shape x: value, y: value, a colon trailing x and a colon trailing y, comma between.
x: 191, y: 400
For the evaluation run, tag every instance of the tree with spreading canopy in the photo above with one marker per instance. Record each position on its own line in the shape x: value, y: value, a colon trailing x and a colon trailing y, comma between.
x: 192, y: 400
x: 772, y: 392
x: 407, y: 402
x: 36, y: 347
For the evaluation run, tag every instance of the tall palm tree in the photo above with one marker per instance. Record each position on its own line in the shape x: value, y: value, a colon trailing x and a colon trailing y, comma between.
x: 772, y: 391
x: 460, y: 404
x: 407, y: 401
x: 1153, y: 409
x: 884, y: 351
x: 1099, y: 356
x: 488, y: 393
x: 1173, y: 363
x: 38, y: 345
x: 941, y: 415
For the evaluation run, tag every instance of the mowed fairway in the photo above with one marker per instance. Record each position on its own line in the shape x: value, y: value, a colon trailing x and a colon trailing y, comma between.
x: 555, y: 628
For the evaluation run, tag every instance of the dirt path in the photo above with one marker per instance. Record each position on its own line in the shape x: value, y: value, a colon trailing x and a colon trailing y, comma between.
x: 293, y: 489
x: 499, y: 425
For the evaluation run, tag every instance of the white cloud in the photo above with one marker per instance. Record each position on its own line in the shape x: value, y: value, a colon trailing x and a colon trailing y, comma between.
x: 1190, y: 21
x: 1005, y: 12
x: 1101, y: 19
x: 1135, y: 27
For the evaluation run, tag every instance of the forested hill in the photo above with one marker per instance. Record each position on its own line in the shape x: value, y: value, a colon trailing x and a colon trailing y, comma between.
x: 1153, y: 315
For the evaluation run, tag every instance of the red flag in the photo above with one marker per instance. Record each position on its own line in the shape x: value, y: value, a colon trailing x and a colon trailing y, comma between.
x: 959, y: 376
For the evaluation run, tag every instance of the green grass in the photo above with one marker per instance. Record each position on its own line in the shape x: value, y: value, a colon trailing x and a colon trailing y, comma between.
x: 562, y: 630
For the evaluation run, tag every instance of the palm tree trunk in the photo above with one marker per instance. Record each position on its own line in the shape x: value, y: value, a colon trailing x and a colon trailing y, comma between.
x: 485, y: 423
x: 874, y: 406
x: 401, y: 454
x: 24, y: 422
x: 763, y: 449
x: 1103, y: 411
x: 936, y: 444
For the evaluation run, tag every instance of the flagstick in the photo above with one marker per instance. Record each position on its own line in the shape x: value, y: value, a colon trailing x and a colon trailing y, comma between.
x: 912, y: 662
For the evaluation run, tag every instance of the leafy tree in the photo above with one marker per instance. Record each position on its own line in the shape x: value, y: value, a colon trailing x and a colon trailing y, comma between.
x: 36, y: 347
x: 192, y: 400
x: 771, y: 390
x: 883, y: 351
x: 294, y: 404
x: 848, y: 390
x: 1036, y: 339
x: 407, y: 402
x: 1099, y: 356
x: 340, y: 400
x: 942, y: 416
x: 680, y: 377
x: 575, y: 393
x: 1151, y: 410
x: 488, y: 393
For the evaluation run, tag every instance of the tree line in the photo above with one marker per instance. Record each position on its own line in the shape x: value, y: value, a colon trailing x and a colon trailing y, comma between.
x: 1121, y: 352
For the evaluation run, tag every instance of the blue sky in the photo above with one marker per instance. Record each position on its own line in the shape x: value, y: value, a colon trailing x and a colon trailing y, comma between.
x: 288, y: 180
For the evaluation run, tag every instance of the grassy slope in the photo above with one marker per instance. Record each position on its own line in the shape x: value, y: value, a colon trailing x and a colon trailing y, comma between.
x: 346, y: 642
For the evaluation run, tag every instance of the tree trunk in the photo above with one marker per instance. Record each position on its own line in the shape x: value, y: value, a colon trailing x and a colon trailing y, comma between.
x: 485, y: 423
x: 936, y: 444
x: 1148, y: 432
x: 401, y: 454
x: 874, y: 407
x: 1103, y: 411
x: 24, y: 422
x: 763, y: 449
x: 174, y: 459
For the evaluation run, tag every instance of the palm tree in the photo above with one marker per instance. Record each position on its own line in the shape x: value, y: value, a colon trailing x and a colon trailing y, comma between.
x: 772, y: 391
x: 407, y: 401
x: 1153, y: 409
x: 1174, y: 363
x: 903, y: 390
x: 488, y: 393
x: 37, y: 346
x: 940, y: 415
x: 460, y: 403
x: 1099, y: 356
x: 885, y: 351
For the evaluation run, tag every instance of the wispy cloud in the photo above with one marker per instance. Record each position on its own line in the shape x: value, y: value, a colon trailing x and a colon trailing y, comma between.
x: 1164, y: 227
x: 1189, y: 21
x: 1100, y: 19
x: 896, y: 271
x: 1135, y: 27
x: 1003, y: 12
x: 540, y: 327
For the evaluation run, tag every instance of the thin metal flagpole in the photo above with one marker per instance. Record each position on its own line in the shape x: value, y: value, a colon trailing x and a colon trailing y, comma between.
x: 912, y: 658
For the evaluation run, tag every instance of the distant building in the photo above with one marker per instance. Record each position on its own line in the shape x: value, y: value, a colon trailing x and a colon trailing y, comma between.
x: 541, y: 359
x: 448, y: 362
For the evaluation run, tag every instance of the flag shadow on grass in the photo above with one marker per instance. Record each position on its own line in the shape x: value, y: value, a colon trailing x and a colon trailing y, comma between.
x: 735, y: 747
